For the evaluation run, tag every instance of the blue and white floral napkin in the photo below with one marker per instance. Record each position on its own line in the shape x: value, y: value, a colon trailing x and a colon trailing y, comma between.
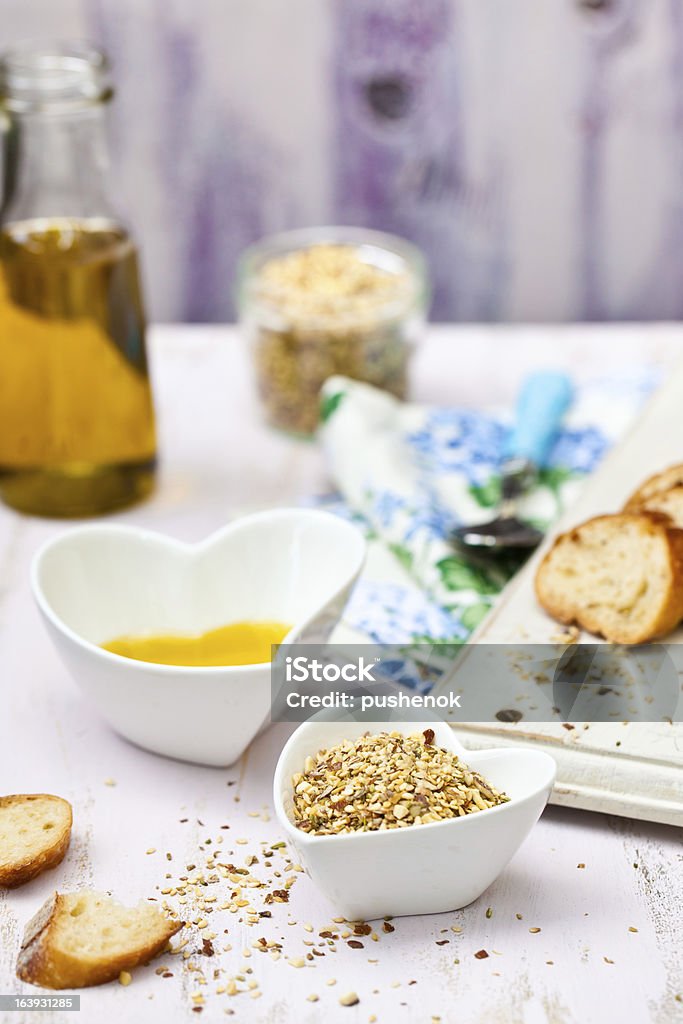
x: 408, y: 474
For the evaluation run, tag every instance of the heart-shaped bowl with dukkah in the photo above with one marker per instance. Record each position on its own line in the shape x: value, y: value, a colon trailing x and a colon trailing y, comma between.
x: 406, y: 868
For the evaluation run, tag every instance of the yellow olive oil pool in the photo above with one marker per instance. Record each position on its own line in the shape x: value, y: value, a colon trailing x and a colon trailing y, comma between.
x: 239, y: 643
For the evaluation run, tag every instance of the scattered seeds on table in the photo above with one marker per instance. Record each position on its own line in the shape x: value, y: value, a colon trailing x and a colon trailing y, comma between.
x: 209, y: 883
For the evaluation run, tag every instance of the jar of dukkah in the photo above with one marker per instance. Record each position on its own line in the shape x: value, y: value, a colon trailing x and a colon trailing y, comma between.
x: 326, y: 301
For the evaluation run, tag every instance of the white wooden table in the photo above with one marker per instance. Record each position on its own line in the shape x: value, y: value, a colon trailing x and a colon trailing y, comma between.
x: 587, y: 963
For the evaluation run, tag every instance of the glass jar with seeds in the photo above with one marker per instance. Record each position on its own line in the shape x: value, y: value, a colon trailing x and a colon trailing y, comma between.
x: 326, y: 301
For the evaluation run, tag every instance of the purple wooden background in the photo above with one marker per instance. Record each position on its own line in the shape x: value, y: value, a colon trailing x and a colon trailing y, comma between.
x: 532, y: 149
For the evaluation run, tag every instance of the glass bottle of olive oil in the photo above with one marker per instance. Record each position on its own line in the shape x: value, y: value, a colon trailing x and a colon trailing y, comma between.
x: 76, y: 415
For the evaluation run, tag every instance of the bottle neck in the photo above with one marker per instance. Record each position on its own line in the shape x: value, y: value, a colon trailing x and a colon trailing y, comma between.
x: 56, y: 166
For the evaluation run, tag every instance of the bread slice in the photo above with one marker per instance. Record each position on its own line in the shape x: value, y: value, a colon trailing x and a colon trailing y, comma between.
x: 35, y: 831
x: 668, y: 503
x: 620, y: 576
x: 655, y: 484
x: 86, y: 938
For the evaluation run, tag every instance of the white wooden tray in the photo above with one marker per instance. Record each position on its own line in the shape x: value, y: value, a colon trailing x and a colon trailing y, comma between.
x: 634, y: 770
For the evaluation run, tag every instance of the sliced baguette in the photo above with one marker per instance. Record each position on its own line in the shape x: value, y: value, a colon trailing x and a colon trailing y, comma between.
x: 655, y: 484
x: 35, y: 831
x: 86, y: 938
x: 668, y: 503
x: 619, y: 576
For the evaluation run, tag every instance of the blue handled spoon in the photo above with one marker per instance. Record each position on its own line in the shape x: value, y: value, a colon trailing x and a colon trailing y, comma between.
x: 541, y: 405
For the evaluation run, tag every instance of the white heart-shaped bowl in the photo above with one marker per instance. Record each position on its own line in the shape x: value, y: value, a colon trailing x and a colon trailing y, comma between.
x: 422, y: 869
x: 95, y: 583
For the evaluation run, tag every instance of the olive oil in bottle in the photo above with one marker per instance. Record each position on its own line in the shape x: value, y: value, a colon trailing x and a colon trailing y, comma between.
x: 76, y: 417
